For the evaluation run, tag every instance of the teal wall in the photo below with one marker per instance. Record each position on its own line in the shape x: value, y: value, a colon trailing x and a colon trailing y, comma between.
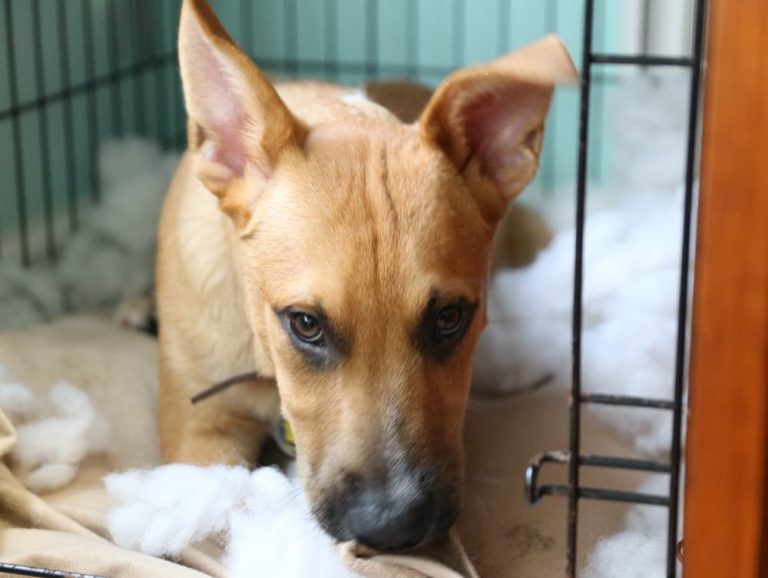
x: 128, y: 82
x: 350, y: 40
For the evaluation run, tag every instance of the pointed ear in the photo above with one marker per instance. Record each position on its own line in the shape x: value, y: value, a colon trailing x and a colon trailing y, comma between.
x: 238, y: 124
x: 489, y: 119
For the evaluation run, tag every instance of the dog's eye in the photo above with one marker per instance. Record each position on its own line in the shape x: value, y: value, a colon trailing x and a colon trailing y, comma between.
x: 306, y: 327
x: 449, y: 322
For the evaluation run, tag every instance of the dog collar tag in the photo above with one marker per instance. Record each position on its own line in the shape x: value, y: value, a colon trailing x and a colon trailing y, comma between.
x: 283, y: 435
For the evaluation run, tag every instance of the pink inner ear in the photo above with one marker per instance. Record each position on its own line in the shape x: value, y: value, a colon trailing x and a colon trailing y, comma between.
x: 215, y: 103
x: 498, y: 125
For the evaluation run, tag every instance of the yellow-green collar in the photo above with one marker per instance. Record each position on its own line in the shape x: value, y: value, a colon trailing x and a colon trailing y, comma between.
x: 283, y: 434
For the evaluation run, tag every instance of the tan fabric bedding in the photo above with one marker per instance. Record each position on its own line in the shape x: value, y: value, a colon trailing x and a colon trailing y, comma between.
x: 65, y: 529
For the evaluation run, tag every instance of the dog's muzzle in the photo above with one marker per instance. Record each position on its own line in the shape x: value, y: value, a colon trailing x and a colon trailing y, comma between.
x: 409, y: 510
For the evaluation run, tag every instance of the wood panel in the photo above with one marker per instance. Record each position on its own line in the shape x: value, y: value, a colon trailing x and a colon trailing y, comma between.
x: 726, y: 506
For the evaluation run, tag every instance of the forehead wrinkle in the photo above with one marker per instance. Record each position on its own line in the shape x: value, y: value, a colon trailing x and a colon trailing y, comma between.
x: 353, y: 203
x: 383, y: 219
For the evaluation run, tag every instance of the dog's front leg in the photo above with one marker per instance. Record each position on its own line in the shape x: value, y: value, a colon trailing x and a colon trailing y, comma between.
x: 229, y: 427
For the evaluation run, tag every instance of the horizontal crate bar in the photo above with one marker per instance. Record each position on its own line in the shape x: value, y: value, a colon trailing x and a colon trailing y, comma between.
x: 641, y: 60
x: 19, y: 570
x: 624, y: 463
x: 619, y: 496
x: 383, y: 69
x: 603, y: 495
x: 90, y: 85
x: 534, y: 492
x: 627, y: 401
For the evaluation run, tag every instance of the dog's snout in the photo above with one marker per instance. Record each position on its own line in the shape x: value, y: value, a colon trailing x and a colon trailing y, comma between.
x: 402, y: 514
x: 378, y: 521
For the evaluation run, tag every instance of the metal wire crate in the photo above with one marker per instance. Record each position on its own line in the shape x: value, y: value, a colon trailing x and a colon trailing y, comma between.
x: 127, y: 83
x: 573, y: 458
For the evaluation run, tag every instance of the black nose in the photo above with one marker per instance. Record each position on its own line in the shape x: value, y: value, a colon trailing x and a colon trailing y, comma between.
x: 387, y: 520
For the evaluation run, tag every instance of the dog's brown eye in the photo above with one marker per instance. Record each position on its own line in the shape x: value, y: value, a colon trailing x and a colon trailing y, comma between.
x: 306, y: 327
x: 449, y: 321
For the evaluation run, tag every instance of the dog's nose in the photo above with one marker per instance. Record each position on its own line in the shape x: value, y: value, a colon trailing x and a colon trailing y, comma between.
x: 380, y: 520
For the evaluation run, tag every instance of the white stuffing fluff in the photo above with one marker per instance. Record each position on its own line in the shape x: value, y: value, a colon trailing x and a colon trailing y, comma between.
x: 28, y: 296
x: 54, y: 434
x: 631, y: 276
x: 638, y: 551
x: 111, y: 258
x: 630, y: 298
x: 627, y: 554
x: 629, y: 316
x: 16, y: 399
x: 262, y: 514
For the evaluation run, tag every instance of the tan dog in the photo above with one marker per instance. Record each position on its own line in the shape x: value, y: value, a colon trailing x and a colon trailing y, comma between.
x: 311, y: 236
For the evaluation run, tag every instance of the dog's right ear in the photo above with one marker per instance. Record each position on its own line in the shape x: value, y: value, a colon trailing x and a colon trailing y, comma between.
x: 238, y: 125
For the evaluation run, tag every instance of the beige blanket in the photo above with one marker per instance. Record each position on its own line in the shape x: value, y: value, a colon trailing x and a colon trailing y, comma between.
x: 65, y: 529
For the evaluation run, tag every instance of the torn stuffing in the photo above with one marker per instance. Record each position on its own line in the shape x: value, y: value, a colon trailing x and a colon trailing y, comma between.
x: 261, y: 515
x: 28, y: 296
x: 640, y: 550
x: 54, y: 433
x: 111, y: 257
x: 629, y: 316
x: 631, y: 275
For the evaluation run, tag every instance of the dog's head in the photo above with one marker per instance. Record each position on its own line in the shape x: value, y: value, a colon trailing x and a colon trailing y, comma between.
x: 365, y: 248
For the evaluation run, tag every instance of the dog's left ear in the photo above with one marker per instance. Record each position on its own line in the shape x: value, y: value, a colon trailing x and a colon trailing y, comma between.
x: 489, y: 119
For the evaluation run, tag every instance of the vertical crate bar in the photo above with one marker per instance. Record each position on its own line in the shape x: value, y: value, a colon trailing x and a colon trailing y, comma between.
x: 18, y: 162
x: 578, y: 282
x: 682, y: 310
x: 503, y: 16
x: 331, y: 65
x: 459, y: 48
x: 246, y: 26
x: 69, y: 135
x: 42, y: 124
x: 114, y: 64
x: 136, y: 16
x: 371, y: 40
x: 158, y: 57
x: 412, y: 44
x: 291, y: 47
x: 93, y: 118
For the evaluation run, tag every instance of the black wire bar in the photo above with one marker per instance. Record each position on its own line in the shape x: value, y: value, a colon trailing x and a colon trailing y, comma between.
x: 128, y: 69
x: 600, y: 494
x: 534, y: 491
x: 107, y: 79
x: 681, y: 357
x: 18, y: 164
x: 627, y: 401
x: 20, y: 570
x: 61, y: 16
x: 573, y: 489
x: 641, y: 60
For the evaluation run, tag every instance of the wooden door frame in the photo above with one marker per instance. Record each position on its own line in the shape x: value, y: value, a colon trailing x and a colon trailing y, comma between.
x: 726, y: 534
